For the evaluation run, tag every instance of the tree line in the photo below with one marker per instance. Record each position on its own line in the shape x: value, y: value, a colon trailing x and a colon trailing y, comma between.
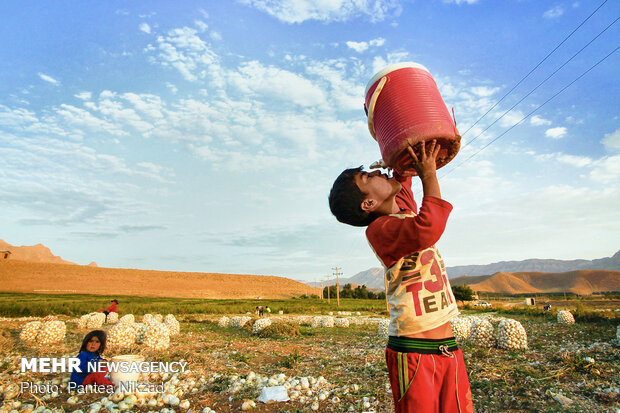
x: 461, y: 292
x: 348, y: 291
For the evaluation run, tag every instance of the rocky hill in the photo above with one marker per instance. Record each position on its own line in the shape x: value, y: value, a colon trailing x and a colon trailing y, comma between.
x: 34, y: 253
x: 581, y: 282
x: 538, y: 265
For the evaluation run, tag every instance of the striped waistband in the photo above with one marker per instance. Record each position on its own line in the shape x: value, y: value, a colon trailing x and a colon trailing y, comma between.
x: 422, y: 345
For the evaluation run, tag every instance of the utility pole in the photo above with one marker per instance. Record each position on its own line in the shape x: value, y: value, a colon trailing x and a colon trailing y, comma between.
x: 336, y: 269
x: 328, y: 298
x: 321, y: 289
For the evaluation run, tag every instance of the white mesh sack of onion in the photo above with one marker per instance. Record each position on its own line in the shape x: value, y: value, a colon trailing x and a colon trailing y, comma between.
x: 511, y: 335
x: 482, y: 333
x: 565, y: 317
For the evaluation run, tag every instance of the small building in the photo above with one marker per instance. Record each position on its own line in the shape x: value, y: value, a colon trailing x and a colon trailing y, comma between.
x: 5, y: 255
x: 530, y: 301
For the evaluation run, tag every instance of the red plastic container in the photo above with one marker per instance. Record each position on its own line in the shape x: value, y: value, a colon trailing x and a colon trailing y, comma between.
x: 404, y: 108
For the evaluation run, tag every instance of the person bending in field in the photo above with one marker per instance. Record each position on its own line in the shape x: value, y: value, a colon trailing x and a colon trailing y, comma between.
x: 93, y: 346
x: 425, y: 367
x: 110, y: 309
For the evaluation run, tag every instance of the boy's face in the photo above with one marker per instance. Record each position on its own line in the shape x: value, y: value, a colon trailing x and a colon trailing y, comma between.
x: 378, y: 189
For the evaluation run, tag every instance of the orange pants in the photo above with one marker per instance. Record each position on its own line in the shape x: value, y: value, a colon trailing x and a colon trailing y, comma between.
x: 429, y: 383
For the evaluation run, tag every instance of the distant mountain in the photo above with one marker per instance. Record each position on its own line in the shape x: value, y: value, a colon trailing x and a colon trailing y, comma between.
x: 540, y: 265
x: 34, y: 253
x: 373, y: 277
x: 581, y: 282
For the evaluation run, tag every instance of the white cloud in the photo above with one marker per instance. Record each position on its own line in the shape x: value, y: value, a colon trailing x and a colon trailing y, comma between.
x: 607, y: 170
x: 202, y: 26
x: 573, y: 160
x: 551, y: 217
x: 553, y: 13
x: 126, y: 117
x: 578, y: 161
x: 298, y: 11
x: 80, y: 120
x: 484, y: 91
x: 253, y: 77
x: 461, y: 1
x: 154, y: 171
x: 83, y: 95
x: 68, y: 182
x: 145, y: 28
x: 363, y: 46
x: 172, y: 87
x: 511, y: 118
x: 48, y: 79
x: 148, y: 105
x: 215, y: 36
x: 184, y: 50
x: 357, y: 46
x: 380, y: 62
x: 538, y: 121
x: 345, y: 92
x: 612, y: 140
x: 556, y: 133
x: 377, y: 42
x: 16, y: 118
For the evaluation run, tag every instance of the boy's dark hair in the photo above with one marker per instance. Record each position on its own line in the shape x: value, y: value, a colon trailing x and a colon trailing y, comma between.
x: 345, y: 199
x: 100, y: 334
x: 114, y: 301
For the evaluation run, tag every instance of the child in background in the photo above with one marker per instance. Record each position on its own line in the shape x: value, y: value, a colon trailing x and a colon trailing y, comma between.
x: 425, y: 367
x: 93, y: 346
x: 110, y: 309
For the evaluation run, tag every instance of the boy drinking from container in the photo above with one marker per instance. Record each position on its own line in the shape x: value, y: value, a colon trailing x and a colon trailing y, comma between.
x: 426, y: 368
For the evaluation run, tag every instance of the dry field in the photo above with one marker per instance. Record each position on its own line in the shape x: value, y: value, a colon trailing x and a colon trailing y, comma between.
x: 577, y: 361
x: 40, y: 277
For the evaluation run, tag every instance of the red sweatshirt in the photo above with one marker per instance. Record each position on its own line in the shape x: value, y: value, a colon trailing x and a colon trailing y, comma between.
x: 418, y: 289
x: 110, y: 309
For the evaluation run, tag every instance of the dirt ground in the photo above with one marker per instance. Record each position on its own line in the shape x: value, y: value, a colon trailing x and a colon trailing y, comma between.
x: 576, y: 364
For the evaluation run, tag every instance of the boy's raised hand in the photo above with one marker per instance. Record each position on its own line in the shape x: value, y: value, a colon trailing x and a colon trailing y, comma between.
x: 425, y: 165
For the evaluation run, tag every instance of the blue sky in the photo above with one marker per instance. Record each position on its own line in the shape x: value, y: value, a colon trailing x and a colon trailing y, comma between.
x: 204, y: 136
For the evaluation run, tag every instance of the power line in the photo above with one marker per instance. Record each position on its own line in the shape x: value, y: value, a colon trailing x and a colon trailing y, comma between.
x: 535, y: 67
x: 533, y: 111
x: 543, y: 82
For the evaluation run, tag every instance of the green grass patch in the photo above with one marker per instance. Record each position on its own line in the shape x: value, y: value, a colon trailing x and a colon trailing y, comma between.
x: 580, y: 312
x: 38, y: 305
x: 241, y: 357
x: 291, y: 360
